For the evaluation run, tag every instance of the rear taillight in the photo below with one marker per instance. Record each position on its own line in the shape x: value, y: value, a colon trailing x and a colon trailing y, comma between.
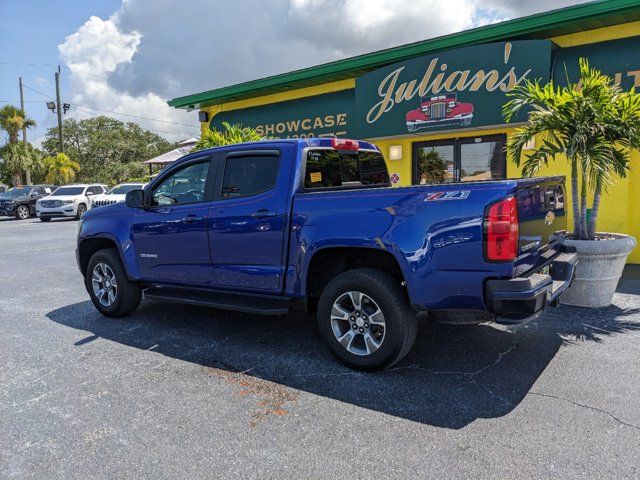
x: 344, y: 144
x: 501, y: 231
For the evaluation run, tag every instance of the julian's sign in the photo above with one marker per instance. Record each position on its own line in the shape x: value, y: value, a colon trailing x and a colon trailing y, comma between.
x: 452, y: 89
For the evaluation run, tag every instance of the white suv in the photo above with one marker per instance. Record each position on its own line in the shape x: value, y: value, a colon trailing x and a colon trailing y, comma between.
x: 116, y: 195
x: 68, y: 201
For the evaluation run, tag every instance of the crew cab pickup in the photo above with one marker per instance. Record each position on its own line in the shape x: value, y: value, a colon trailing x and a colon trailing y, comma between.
x: 263, y: 227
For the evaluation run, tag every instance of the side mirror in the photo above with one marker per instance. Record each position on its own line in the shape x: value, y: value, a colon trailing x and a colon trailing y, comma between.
x: 34, y: 194
x: 134, y: 198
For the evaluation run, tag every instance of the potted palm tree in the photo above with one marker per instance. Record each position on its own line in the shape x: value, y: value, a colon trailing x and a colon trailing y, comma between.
x: 231, y: 134
x: 593, y: 125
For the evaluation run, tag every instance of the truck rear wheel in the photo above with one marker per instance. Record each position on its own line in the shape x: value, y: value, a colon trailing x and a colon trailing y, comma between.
x: 109, y: 288
x: 365, y: 317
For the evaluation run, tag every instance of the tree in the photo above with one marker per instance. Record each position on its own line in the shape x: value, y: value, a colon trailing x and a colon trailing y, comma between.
x: 593, y: 124
x: 13, y: 120
x: 60, y: 169
x: 231, y: 134
x: 431, y: 166
x: 16, y: 159
x: 105, y: 147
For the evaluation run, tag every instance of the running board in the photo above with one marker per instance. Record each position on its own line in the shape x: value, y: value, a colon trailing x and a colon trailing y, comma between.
x: 239, y: 303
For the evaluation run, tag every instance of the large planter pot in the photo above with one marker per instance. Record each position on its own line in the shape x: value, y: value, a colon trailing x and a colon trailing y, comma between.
x: 600, y: 265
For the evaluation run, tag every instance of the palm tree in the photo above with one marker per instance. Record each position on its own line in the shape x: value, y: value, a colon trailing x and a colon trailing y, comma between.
x: 60, y: 169
x: 18, y: 158
x: 232, y: 134
x: 593, y: 124
x: 13, y: 120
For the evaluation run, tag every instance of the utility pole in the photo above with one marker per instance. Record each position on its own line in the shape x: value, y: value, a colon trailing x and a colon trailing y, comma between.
x: 59, y: 107
x: 24, y: 129
x: 27, y: 172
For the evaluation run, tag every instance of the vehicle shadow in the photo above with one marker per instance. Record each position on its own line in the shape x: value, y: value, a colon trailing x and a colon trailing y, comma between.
x: 453, y: 376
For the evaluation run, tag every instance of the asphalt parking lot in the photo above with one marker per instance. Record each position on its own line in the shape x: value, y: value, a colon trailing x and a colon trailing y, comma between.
x: 185, y: 392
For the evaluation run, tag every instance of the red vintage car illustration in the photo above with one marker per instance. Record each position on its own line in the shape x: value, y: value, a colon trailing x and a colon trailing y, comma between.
x: 438, y: 111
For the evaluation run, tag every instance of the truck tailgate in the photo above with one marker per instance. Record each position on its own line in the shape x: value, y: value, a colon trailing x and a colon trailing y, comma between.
x: 541, y: 212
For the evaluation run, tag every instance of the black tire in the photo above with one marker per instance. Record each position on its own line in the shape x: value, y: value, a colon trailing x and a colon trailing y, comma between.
x: 127, y: 295
x: 400, y: 322
x: 22, y: 212
x: 45, y: 219
x: 81, y: 209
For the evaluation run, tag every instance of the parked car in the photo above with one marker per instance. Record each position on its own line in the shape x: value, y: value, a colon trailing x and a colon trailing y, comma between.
x: 261, y: 227
x: 20, y: 202
x: 115, y: 195
x: 68, y: 201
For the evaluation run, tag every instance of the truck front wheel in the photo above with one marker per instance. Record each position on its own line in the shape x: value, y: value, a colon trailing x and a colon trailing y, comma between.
x: 365, y: 317
x: 109, y: 288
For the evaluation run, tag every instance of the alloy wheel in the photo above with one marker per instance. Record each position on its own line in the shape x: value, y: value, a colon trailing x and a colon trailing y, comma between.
x: 357, y: 322
x: 103, y: 282
x: 23, y: 212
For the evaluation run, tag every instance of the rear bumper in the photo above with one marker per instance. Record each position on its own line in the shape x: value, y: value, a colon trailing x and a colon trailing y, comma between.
x: 518, y: 299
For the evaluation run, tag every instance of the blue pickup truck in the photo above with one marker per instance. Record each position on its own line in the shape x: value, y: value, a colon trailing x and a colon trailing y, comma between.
x: 267, y: 226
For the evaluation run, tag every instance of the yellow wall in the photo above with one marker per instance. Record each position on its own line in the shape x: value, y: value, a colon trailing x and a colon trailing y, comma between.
x: 620, y: 208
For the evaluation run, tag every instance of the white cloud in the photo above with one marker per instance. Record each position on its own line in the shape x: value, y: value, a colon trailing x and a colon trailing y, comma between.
x: 149, y: 51
x: 41, y: 81
x: 92, y: 54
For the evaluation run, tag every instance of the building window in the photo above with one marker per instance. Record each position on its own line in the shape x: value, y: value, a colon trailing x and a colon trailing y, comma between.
x: 459, y: 160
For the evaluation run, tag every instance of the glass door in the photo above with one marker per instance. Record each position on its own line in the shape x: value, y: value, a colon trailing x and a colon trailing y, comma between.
x: 482, y: 158
x: 459, y: 160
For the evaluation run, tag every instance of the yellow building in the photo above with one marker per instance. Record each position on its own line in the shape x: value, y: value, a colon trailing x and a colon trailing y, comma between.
x: 442, y: 98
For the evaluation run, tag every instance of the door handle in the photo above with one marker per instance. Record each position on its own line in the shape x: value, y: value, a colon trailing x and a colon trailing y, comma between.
x: 191, y: 219
x: 264, y: 213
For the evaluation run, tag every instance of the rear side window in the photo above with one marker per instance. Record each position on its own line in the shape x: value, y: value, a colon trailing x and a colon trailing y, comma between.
x: 332, y: 169
x: 244, y: 176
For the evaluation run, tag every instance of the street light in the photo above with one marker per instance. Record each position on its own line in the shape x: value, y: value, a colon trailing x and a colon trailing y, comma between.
x: 51, y: 106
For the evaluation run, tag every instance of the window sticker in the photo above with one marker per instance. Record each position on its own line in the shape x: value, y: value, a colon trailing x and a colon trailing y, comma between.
x: 316, y: 177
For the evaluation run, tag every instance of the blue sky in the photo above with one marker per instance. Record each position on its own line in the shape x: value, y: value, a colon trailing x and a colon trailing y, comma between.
x: 32, y: 31
x: 131, y: 57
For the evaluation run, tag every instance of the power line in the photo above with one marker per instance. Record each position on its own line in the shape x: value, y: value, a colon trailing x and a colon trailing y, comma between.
x: 136, y: 116
x: 116, y: 113
x: 29, y: 64
x: 38, y: 92
x: 91, y: 114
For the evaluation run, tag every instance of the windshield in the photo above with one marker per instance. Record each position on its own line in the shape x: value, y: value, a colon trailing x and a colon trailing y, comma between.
x: 69, y: 191
x: 122, y: 189
x: 17, y: 192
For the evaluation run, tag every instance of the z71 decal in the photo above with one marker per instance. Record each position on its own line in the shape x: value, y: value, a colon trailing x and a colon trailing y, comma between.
x: 450, y: 195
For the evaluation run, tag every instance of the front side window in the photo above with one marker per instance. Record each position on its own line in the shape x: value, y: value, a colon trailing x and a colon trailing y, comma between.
x: 331, y: 169
x: 244, y: 176
x: 184, y: 186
